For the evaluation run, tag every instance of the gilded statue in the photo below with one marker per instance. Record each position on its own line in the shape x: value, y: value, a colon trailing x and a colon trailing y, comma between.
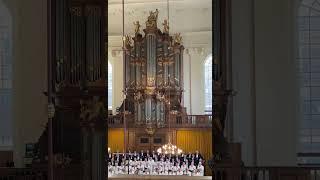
x: 152, y: 19
x: 177, y: 38
x: 165, y: 26
x: 127, y: 40
x: 137, y: 27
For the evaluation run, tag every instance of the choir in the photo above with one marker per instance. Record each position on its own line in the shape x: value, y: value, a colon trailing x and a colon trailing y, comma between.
x: 145, y: 163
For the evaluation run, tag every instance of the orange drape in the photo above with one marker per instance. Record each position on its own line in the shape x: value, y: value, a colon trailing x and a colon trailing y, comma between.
x: 187, y: 140
x: 193, y: 140
x: 116, y: 139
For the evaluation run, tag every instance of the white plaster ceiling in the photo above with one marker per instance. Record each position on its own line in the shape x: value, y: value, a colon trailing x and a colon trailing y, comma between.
x: 186, y: 16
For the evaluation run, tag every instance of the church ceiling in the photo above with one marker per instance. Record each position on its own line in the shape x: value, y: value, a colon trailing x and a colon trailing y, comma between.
x: 193, y: 19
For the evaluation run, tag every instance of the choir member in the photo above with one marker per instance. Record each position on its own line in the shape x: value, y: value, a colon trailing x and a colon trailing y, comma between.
x: 197, y: 157
x: 142, y: 155
x: 192, y: 168
x: 200, y: 169
x: 146, y: 163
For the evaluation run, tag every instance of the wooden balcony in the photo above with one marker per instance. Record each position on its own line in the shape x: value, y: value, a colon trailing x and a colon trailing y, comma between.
x: 187, y: 121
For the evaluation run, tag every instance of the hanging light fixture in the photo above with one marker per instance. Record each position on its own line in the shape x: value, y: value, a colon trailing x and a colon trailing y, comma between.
x: 169, y: 148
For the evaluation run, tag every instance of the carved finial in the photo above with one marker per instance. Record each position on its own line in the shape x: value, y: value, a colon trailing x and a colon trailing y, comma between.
x: 177, y: 38
x: 165, y: 26
x: 137, y: 27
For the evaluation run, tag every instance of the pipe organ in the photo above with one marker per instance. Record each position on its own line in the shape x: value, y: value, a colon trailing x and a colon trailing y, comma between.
x: 79, y: 44
x: 153, y: 73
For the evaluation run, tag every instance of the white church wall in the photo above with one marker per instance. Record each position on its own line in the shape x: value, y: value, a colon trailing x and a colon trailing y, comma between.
x: 29, y: 72
x: 241, y: 66
x: 264, y: 32
x: 115, y: 58
x: 276, y: 82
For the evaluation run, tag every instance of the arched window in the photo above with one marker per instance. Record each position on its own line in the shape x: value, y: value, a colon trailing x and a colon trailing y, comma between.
x: 208, y: 84
x: 109, y: 86
x: 308, y: 61
x: 5, y: 78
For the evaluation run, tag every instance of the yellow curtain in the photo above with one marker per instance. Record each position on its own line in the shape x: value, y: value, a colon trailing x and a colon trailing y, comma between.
x: 191, y: 141
x: 116, y: 139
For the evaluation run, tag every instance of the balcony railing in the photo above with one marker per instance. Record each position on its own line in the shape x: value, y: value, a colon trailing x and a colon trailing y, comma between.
x: 187, y: 121
x: 266, y: 173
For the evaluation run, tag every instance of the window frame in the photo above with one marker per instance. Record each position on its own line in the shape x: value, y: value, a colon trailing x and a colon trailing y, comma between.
x: 208, y: 80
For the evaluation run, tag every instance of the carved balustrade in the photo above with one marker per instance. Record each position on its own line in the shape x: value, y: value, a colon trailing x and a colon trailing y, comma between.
x: 184, y: 121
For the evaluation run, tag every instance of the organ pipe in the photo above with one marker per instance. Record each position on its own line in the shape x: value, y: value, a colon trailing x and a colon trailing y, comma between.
x: 153, y: 72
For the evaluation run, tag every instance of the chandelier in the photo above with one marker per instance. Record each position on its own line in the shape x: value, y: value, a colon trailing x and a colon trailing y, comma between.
x: 169, y: 149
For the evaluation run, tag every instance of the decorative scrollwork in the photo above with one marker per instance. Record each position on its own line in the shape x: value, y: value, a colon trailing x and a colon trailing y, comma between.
x: 93, y: 11
x: 51, y: 110
x: 127, y: 41
x: 62, y: 160
x: 138, y: 96
x: 76, y: 11
x: 92, y: 110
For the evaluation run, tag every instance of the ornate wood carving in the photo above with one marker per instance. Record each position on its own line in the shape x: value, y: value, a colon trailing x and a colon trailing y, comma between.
x: 153, y: 73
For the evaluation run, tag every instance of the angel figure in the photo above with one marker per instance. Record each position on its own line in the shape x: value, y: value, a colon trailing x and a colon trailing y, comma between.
x: 137, y: 27
x: 165, y: 26
x: 153, y: 15
x: 177, y: 38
